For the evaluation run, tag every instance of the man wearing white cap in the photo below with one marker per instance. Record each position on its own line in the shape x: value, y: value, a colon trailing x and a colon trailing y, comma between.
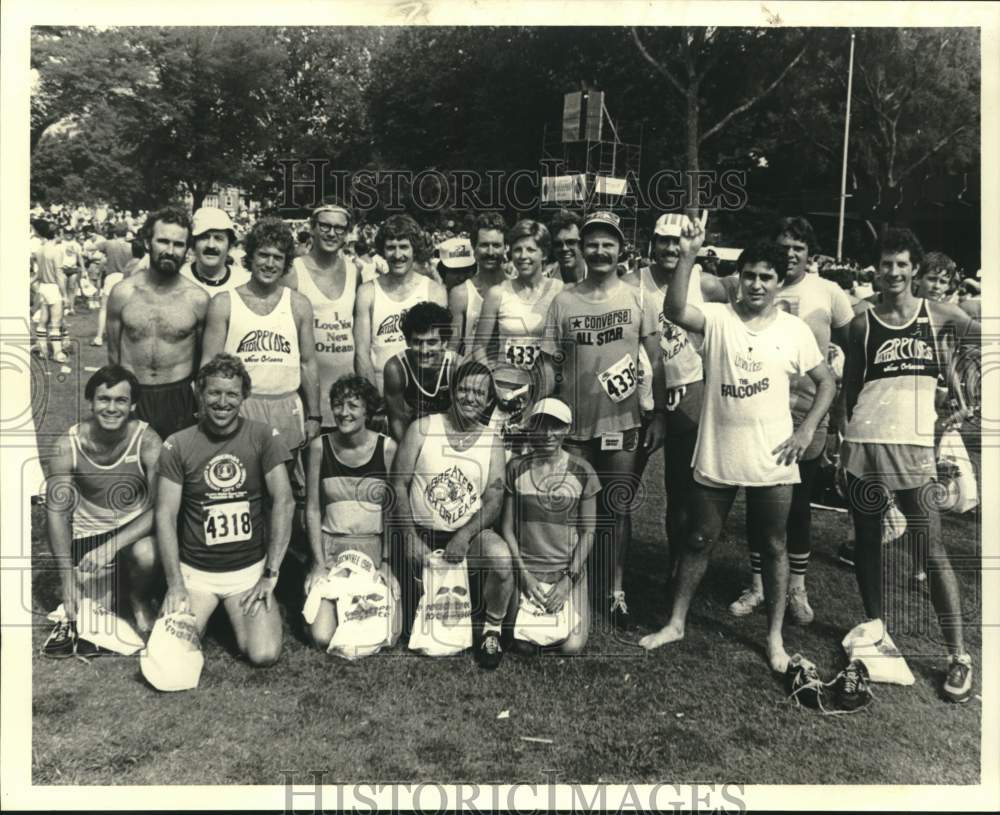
x: 594, y: 331
x: 213, y: 237
x: 465, y: 301
x: 682, y: 372
x: 550, y: 512
x: 455, y: 261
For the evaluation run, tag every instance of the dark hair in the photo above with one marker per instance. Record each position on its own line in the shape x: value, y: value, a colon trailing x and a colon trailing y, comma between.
x: 843, y: 276
x: 111, y: 375
x: 564, y: 219
x: 226, y: 366
x: 767, y: 252
x: 939, y: 262
x: 423, y: 317
x: 138, y: 248
x: 895, y: 240
x: 270, y: 232
x: 537, y: 231
x: 44, y: 229
x: 404, y: 228
x: 489, y: 221
x: 164, y: 215
x: 360, y: 247
x: 353, y: 385
x: 121, y: 230
x: 798, y: 228
x: 303, y: 235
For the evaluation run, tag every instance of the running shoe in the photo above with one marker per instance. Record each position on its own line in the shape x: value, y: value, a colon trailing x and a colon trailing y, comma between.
x: 958, y: 685
x: 798, y: 606
x: 803, y: 683
x: 851, y: 686
x: 746, y: 603
x: 490, y: 653
x: 87, y: 649
x: 62, y: 641
x: 621, y: 620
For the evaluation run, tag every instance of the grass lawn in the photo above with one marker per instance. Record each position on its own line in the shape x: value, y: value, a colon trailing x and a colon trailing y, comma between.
x: 703, y: 710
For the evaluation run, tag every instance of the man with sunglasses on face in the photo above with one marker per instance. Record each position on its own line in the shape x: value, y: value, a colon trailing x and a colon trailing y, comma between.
x: 329, y: 279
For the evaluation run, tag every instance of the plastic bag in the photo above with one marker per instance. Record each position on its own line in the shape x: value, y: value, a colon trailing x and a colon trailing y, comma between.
x: 956, y: 475
x: 99, y: 625
x: 173, y: 658
x: 443, y: 624
x: 870, y: 643
x: 535, y: 624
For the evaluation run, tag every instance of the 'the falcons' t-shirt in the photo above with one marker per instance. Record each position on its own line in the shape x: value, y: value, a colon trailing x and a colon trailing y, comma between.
x: 745, y: 414
x: 222, y: 525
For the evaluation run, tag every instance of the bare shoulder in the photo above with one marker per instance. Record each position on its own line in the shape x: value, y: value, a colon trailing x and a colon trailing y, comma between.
x: 947, y: 313
x: 301, y: 305
x: 458, y: 297
x: 195, y: 295
x: 438, y: 293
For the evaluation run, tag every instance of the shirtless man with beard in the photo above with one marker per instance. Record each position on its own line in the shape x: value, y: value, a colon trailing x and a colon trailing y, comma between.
x: 155, y: 322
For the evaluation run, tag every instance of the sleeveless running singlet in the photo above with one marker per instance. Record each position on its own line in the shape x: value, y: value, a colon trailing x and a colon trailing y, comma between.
x: 268, y: 345
x: 387, y: 317
x: 353, y: 497
x: 473, y: 308
x: 682, y: 363
x: 111, y: 495
x: 521, y: 324
x: 896, y: 403
x: 424, y: 402
x: 447, y: 487
x: 333, y: 327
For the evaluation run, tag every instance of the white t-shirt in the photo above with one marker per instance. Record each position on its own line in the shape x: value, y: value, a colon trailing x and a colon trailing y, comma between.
x: 234, y: 277
x: 745, y: 413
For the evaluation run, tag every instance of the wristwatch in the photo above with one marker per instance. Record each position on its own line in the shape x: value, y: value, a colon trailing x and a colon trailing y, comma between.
x: 573, y: 576
x: 270, y: 574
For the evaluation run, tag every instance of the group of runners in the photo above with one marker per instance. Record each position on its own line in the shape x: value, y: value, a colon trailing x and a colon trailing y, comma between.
x: 504, y: 415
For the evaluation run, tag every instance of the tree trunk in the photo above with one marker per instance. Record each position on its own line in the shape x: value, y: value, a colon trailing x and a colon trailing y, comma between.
x: 693, y: 141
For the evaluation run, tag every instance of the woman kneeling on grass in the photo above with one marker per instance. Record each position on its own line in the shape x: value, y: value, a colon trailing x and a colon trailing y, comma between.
x: 548, y: 520
x: 348, y: 493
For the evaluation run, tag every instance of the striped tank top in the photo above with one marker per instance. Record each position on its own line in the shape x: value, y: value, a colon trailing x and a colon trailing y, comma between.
x: 353, y: 497
x: 110, y: 495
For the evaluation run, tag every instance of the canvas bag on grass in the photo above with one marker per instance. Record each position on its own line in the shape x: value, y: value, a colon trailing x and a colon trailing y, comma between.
x: 364, y: 612
x: 443, y: 624
x: 173, y: 659
x: 535, y: 624
x: 960, y: 481
x: 871, y: 643
x: 346, y: 576
x: 99, y: 625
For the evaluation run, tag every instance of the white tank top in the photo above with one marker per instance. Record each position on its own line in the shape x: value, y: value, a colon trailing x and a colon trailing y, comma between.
x: 682, y: 362
x: 268, y: 345
x: 333, y: 327
x: 387, y: 317
x: 447, y: 487
x: 520, y: 324
x: 473, y: 308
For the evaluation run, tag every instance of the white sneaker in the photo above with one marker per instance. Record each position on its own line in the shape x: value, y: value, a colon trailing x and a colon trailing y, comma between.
x: 798, y: 606
x: 746, y: 602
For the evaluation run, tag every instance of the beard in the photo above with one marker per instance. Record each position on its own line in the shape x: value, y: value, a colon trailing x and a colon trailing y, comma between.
x: 167, y: 265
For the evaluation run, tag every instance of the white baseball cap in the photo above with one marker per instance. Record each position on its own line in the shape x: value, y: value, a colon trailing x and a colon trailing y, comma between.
x: 669, y: 225
x: 555, y: 408
x: 173, y: 659
x: 208, y: 218
x: 456, y: 253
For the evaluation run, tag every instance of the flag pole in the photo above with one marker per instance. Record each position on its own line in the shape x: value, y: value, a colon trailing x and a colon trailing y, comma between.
x: 843, y: 172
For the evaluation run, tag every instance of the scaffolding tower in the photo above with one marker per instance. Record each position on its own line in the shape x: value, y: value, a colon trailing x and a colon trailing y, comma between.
x: 597, y: 153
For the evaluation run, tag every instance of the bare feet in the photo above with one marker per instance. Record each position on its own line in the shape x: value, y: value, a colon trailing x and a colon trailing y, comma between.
x: 777, y: 656
x: 669, y: 633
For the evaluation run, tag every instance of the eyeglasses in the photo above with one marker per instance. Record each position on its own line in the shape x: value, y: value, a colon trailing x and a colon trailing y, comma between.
x: 572, y: 243
x: 326, y: 229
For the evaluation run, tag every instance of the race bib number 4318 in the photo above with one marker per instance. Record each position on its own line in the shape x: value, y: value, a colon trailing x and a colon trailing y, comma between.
x: 619, y: 380
x: 227, y: 523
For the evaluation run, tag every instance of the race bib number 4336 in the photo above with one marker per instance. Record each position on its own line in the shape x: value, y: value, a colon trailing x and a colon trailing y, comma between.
x: 619, y: 380
x: 227, y: 523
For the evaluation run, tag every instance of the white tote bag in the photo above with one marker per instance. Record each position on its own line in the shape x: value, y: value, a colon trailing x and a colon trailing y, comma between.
x: 443, y: 624
x: 535, y: 624
x: 960, y: 478
x: 871, y: 643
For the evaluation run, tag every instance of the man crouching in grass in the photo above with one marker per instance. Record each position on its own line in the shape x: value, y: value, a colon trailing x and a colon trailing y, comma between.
x: 549, y: 515
x: 100, y: 511
x: 215, y: 539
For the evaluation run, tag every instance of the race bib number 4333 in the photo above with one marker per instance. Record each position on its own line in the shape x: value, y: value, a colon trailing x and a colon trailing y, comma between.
x: 522, y: 353
x: 619, y: 380
x: 227, y: 523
